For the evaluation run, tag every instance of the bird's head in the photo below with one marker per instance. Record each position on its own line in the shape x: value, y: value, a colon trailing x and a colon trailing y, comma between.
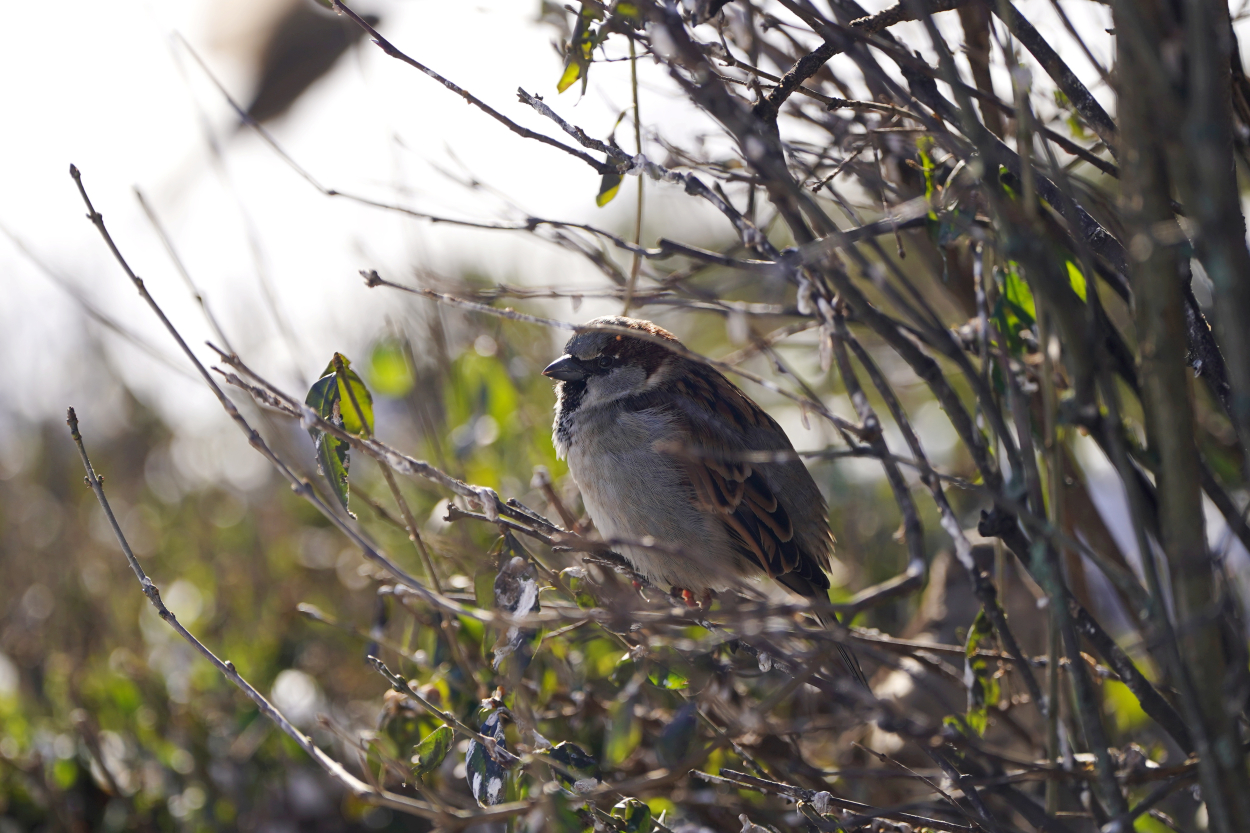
x: 601, y: 365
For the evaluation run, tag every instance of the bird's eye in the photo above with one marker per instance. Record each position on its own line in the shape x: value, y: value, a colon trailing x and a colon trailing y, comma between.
x: 604, y: 362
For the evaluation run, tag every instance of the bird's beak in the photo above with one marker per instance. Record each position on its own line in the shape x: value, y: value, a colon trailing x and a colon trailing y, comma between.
x: 565, y: 369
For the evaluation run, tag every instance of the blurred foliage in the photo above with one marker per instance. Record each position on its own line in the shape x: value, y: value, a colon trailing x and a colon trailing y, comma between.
x: 112, y: 723
x: 109, y: 722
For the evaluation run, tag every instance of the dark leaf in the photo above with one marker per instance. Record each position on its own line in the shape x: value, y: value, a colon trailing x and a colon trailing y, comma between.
x: 678, y: 736
x: 558, y: 816
x: 323, y: 397
x: 624, y: 670
x: 516, y: 591
x: 487, y: 777
x: 577, y: 763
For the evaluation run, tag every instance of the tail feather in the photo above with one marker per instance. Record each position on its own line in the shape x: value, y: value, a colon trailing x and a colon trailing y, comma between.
x: 851, y: 661
x: 809, y: 589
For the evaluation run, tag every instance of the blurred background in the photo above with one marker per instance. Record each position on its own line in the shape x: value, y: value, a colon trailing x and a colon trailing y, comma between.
x: 107, y: 721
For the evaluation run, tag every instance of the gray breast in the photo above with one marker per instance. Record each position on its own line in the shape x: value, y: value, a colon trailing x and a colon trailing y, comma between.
x: 632, y: 492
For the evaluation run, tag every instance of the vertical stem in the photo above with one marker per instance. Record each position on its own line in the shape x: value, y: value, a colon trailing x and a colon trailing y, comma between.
x: 983, y: 287
x: 1192, y: 645
x: 1024, y: 131
x: 637, y: 262
x: 1053, y: 706
x: 1212, y: 191
x: 1054, y: 472
x: 411, y: 523
x: 975, y: 18
x: 1046, y: 569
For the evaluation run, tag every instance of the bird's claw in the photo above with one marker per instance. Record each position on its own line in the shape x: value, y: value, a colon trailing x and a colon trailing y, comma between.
x: 692, y: 601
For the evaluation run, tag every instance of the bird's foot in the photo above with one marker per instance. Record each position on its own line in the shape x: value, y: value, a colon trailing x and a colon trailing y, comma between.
x: 683, y: 594
x: 692, y: 601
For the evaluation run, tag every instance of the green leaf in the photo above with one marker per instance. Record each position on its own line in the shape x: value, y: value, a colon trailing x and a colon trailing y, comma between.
x: 665, y: 677
x: 1018, y: 295
x: 331, y: 452
x: 571, y: 73
x: 957, y: 723
x: 1077, y: 279
x: 1015, y: 309
x: 624, y: 733
x: 981, y: 631
x: 332, y: 462
x: 983, y: 689
x: 608, y: 188
x: 341, y: 398
x: 1074, y: 122
x: 390, y: 373
x: 323, y: 397
x: 431, y: 751
x: 580, y: 49
x: 1147, y: 824
x: 355, y: 401
x: 1005, y: 180
x: 575, y: 579
x: 65, y: 773
x: 1123, y: 707
x: 634, y: 815
x: 923, y: 145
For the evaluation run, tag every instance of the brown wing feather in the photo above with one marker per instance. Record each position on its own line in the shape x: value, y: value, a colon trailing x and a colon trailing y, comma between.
x: 752, y: 513
x: 738, y: 492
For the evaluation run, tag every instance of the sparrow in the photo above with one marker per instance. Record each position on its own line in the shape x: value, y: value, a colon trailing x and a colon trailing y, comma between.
x: 655, y: 442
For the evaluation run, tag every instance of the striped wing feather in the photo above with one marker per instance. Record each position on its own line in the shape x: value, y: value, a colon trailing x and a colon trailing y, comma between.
x: 738, y: 492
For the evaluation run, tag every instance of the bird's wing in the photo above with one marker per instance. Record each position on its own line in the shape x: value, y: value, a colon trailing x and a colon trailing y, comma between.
x: 735, y: 490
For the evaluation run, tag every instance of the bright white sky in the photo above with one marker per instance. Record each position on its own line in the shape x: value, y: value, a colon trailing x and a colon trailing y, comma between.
x: 102, y: 85
x: 106, y: 92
